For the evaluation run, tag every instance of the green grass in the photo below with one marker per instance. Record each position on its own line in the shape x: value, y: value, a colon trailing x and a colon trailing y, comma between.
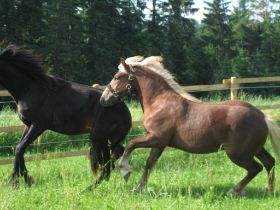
x: 179, y: 181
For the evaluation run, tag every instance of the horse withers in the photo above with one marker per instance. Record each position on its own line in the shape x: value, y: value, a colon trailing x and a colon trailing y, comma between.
x: 176, y: 119
x: 47, y: 102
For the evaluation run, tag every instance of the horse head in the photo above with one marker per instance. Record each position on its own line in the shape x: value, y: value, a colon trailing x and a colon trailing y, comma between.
x: 122, y: 85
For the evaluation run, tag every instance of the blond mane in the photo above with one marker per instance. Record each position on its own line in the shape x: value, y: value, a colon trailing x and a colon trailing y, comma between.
x: 154, y: 63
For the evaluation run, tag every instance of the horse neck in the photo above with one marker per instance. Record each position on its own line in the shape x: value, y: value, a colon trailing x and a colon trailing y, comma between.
x: 151, y: 89
x: 16, y: 83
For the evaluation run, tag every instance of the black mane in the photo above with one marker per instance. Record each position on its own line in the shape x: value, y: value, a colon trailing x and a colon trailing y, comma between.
x: 26, y: 61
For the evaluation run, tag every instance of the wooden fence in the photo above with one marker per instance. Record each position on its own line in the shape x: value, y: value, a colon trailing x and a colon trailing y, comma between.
x: 231, y: 84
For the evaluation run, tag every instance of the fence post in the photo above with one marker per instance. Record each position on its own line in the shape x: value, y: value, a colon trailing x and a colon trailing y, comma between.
x: 95, y: 85
x: 38, y: 141
x: 233, y: 88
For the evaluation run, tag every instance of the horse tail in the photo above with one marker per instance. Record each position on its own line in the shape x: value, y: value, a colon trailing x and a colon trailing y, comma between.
x: 274, y: 132
x: 110, y: 129
x: 100, y: 155
x: 94, y: 156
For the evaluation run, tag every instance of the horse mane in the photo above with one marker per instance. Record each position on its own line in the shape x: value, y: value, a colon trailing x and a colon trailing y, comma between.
x: 25, y: 61
x: 154, y: 63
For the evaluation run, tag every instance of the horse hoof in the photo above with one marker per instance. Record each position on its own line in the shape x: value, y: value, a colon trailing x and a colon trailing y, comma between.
x: 233, y: 193
x: 126, y: 175
x: 89, y: 188
x: 137, y: 189
x: 29, y: 180
x: 268, y: 189
x: 14, y: 181
x: 126, y: 171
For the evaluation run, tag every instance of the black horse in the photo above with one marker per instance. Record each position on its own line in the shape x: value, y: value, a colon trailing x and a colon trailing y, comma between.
x: 47, y: 102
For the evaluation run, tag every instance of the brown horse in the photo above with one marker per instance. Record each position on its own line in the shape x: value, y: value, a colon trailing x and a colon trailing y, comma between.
x: 176, y: 119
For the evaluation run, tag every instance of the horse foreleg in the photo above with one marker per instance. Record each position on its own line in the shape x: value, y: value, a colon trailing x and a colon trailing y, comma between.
x: 155, y: 153
x: 147, y: 141
x: 19, y: 163
x: 29, y: 135
x: 22, y: 167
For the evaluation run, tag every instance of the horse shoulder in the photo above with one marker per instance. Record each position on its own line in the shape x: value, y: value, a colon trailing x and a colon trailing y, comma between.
x: 160, y: 118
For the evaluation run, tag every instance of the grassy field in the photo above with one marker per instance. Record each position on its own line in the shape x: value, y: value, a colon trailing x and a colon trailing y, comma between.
x: 179, y: 181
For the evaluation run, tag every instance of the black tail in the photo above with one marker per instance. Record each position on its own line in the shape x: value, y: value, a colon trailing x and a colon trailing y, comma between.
x: 100, y: 155
x: 111, y: 127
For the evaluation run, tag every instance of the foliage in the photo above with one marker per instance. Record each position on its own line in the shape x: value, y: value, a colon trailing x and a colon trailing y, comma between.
x: 217, y: 36
x: 82, y: 40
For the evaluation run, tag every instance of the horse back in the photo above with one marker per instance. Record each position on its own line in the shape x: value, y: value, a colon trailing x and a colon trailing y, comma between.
x: 241, y: 103
x: 74, y: 108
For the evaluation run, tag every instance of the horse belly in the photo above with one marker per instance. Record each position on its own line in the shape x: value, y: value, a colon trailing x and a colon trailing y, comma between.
x: 71, y: 124
x: 196, y: 145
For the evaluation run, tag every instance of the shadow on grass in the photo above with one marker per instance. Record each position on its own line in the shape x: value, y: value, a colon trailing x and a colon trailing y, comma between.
x: 216, y: 191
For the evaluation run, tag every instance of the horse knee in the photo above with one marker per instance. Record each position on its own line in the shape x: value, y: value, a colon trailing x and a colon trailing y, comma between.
x: 266, y: 159
x: 251, y: 165
x: 149, y: 163
x: 271, y: 163
x: 254, y: 170
x: 18, y: 150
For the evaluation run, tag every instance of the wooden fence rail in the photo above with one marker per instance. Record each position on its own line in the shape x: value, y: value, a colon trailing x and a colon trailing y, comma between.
x: 234, y: 83
x: 231, y: 84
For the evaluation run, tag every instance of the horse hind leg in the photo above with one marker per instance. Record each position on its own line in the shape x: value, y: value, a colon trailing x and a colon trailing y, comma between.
x: 252, y: 167
x: 269, y: 163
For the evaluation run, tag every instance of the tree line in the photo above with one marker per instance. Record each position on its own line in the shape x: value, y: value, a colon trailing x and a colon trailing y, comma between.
x: 82, y: 40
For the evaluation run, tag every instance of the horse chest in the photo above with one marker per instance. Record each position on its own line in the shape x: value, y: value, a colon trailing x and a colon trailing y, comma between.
x: 24, y: 113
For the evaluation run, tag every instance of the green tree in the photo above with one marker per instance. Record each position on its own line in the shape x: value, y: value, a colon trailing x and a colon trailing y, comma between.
x: 21, y: 22
x: 155, y: 29
x: 102, y: 46
x: 130, y: 29
x: 217, y: 36
x: 7, y: 22
x: 64, y: 41
x: 245, y: 39
x: 180, y: 32
x: 30, y: 23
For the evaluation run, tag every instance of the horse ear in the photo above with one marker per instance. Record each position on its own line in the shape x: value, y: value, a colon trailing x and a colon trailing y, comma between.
x: 125, y: 66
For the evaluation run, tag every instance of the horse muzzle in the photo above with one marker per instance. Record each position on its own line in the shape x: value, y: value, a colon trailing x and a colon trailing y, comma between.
x: 107, y: 99
x: 105, y: 102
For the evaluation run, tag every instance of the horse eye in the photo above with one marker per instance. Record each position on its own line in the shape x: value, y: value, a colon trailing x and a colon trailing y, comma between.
x: 116, y: 78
